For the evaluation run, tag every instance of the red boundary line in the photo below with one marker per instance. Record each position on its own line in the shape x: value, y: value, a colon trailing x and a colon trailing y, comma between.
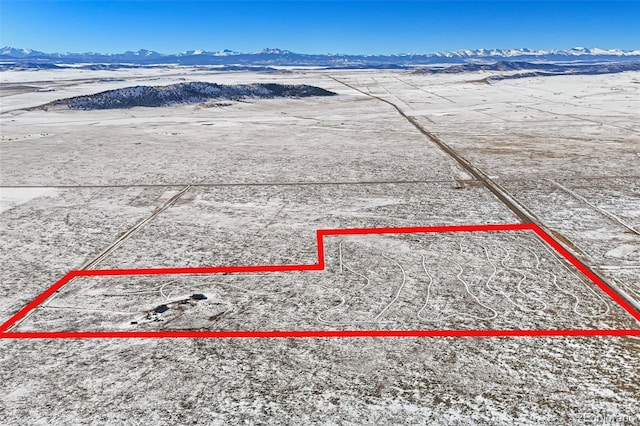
x: 319, y: 266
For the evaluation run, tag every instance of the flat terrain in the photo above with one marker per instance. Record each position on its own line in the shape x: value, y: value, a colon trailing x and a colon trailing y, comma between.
x: 249, y: 183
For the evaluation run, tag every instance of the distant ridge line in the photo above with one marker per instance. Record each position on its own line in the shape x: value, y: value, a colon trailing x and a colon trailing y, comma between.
x: 270, y: 57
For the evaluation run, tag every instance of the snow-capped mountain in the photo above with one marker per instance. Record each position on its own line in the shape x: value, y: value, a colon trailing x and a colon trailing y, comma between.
x: 144, y: 53
x: 202, y: 52
x: 509, y: 53
x: 270, y: 57
x: 275, y: 52
x: 19, y: 53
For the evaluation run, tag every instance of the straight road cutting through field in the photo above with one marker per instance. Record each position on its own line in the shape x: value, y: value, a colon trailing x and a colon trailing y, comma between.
x: 320, y: 266
x: 106, y: 252
x: 523, y: 214
x: 609, y: 215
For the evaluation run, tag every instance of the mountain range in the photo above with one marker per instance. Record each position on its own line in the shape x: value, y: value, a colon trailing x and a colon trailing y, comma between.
x: 278, y: 57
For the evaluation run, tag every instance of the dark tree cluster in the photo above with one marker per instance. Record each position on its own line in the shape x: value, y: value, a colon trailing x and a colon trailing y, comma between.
x: 187, y: 93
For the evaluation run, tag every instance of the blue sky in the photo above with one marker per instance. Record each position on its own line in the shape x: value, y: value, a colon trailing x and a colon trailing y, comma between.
x: 316, y: 26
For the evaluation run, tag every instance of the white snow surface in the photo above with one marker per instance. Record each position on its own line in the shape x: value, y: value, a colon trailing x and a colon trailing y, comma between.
x: 265, y: 175
x: 11, y: 197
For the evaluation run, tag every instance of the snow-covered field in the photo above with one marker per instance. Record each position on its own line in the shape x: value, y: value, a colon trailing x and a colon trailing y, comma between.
x: 248, y: 183
x: 506, y: 280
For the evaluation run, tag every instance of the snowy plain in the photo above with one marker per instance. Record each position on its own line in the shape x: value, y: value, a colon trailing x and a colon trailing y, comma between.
x: 259, y: 177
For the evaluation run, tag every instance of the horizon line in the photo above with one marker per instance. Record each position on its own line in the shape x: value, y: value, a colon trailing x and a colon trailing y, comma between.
x: 275, y: 50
